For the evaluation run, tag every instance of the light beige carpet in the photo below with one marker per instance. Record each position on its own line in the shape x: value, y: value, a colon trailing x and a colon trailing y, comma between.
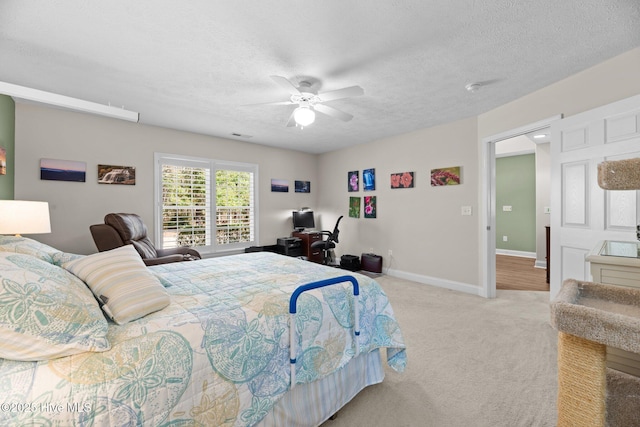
x: 471, y: 362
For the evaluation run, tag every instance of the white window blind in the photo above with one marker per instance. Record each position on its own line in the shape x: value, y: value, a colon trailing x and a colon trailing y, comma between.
x: 190, y: 190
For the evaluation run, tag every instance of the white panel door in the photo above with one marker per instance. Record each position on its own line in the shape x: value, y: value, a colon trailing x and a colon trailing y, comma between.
x: 581, y: 212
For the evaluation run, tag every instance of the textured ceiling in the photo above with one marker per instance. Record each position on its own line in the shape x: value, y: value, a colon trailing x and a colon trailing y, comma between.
x: 194, y: 65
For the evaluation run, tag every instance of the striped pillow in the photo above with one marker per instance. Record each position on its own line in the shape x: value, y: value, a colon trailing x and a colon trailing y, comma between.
x: 121, y: 282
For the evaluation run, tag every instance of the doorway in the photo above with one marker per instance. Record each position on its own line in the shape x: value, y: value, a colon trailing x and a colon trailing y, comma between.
x: 488, y: 152
x: 522, y: 211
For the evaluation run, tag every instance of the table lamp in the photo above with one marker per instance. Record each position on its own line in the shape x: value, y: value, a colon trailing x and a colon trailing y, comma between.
x: 620, y: 175
x: 24, y: 217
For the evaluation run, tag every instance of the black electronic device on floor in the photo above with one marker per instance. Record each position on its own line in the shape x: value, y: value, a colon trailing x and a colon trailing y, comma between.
x: 350, y: 262
x: 290, y: 246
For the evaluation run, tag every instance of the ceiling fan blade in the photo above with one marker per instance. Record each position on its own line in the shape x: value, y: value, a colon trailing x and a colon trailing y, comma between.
x: 333, y: 112
x: 346, y: 92
x: 269, y: 103
x: 286, y: 85
x: 292, y: 121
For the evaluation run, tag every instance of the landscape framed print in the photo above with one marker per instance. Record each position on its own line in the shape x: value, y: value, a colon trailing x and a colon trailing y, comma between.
x: 63, y: 170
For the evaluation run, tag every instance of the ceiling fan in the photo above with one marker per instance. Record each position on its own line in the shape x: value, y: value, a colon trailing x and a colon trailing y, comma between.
x: 309, y: 101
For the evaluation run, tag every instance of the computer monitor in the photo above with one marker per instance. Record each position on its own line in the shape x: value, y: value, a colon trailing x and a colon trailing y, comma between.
x: 303, y: 220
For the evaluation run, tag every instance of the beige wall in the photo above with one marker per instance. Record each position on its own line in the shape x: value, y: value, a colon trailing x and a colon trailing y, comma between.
x: 430, y: 239
x: 423, y: 226
x: 43, y: 132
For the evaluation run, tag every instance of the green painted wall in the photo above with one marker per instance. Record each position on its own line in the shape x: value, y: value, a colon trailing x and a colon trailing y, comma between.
x: 516, y: 187
x: 7, y: 141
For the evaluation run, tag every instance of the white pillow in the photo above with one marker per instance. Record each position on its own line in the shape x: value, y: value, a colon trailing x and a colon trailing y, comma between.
x: 121, y: 282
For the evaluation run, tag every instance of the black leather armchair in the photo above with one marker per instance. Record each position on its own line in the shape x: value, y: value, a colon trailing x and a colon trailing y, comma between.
x: 121, y: 229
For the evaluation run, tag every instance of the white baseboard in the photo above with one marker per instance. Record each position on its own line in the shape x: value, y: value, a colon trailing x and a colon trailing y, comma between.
x: 521, y: 254
x: 434, y: 281
x: 540, y: 264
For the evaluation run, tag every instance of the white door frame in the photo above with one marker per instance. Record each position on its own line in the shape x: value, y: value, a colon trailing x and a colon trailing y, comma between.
x: 488, y: 201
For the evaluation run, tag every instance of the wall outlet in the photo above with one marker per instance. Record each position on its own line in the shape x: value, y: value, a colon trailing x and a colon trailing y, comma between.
x: 466, y: 210
x: 390, y: 253
x: 505, y: 239
x: 507, y: 208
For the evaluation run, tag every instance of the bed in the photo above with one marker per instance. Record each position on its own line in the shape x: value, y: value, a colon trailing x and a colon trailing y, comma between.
x: 212, y: 351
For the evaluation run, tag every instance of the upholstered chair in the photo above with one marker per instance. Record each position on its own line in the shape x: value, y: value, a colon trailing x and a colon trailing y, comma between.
x: 121, y: 229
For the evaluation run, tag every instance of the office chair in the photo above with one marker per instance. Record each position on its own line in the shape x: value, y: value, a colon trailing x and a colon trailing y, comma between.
x: 327, y: 245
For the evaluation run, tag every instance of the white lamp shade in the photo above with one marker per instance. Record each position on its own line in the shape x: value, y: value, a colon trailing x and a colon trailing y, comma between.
x: 24, y: 217
x: 304, y: 116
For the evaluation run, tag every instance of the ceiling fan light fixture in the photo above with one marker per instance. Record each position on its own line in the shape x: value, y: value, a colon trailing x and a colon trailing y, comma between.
x: 304, y: 116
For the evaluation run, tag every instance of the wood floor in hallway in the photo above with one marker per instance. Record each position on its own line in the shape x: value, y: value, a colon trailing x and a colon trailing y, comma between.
x: 517, y: 273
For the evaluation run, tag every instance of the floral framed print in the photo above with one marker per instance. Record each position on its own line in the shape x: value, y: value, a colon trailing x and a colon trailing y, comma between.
x: 354, y: 207
x: 402, y: 180
x: 370, y: 208
x: 353, y: 181
x: 445, y: 176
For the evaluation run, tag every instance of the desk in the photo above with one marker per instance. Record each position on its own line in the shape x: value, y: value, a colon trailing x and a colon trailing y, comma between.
x: 308, y: 237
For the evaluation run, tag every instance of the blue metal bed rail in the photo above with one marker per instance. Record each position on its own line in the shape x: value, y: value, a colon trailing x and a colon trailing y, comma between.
x: 292, y: 315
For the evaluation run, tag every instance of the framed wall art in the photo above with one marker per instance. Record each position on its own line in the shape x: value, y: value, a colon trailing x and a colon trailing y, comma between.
x: 279, y: 185
x: 302, y: 187
x: 445, y: 176
x: 369, y: 179
x: 402, y: 180
x: 121, y: 175
x: 370, y: 208
x: 354, y: 207
x: 3, y: 161
x: 63, y: 170
x: 353, y: 181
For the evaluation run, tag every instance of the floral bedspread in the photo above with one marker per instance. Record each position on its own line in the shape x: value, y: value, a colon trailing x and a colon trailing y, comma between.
x: 218, y: 355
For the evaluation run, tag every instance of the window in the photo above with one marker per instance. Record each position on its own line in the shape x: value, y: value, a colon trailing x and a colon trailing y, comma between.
x: 208, y: 204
